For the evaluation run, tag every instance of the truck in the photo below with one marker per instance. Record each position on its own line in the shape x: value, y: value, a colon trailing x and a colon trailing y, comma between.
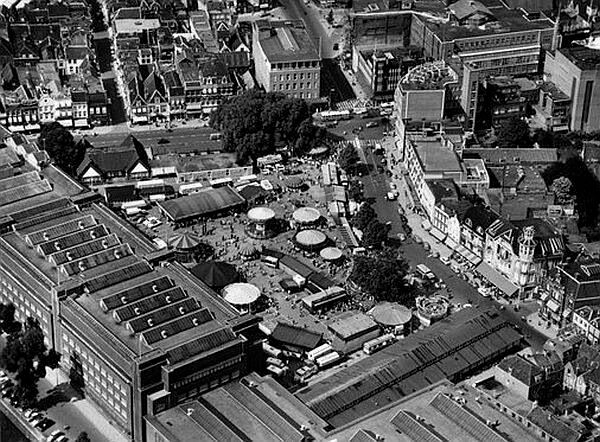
x: 328, y: 360
x: 425, y: 272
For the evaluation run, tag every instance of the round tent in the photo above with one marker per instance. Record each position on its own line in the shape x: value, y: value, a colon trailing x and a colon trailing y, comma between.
x: 261, y: 214
x: 391, y: 315
x: 294, y: 182
x: 241, y: 294
x: 185, y: 244
x: 331, y: 253
x: 306, y: 215
x: 310, y: 239
x: 247, y: 251
x: 184, y: 241
x: 216, y: 274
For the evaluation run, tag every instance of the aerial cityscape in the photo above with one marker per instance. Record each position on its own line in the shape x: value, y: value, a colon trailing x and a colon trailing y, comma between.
x: 299, y: 220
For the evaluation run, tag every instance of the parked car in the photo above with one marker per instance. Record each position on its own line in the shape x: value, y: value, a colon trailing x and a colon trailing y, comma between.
x: 372, y: 124
x: 54, y: 435
x: 445, y: 260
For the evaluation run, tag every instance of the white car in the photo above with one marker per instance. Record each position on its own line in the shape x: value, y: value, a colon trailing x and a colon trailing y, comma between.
x: 484, y: 291
x: 391, y: 196
x: 55, y: 435
x: 445, y: 260
x: 393, y: 186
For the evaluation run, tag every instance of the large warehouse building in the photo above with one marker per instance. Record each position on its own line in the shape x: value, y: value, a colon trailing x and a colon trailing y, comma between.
x: 146, y: 335
x: 449, y: 349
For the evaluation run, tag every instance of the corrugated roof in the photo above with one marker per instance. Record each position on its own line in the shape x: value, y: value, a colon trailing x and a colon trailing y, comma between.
x: 202, y: 203
x: 136, y: 293
x: 149, y: 303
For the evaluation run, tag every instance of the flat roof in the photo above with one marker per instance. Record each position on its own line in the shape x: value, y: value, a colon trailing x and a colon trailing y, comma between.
x: 286, y: 41
x: 131, y: 26
x: 433, y: 156
x: 196, y: 163
x: 583, y: 57
x: 349, y: 324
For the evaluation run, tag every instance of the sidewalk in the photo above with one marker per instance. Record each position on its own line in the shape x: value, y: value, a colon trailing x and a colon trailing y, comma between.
x: 79, y: 415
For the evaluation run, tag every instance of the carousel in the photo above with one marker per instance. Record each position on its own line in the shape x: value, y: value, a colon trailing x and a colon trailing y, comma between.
x: 185, y: 245
x: 310, y: 240
x: 260, y: 223
x: 241, y: 296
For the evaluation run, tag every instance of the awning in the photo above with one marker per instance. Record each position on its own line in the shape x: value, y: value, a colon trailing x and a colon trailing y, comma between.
x: 81, y: 123
x: 463, y: 251
x: 437, y: 234
x: 495, y: 278
x: 553, y: 305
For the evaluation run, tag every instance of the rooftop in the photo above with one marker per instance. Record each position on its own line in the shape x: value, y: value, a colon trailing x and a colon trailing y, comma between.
x: 285, y: 41
x: 583, y: 57
x: 204, y: 202
x: 433, y: 155
x: 349, y: 324
x: 428, y: 76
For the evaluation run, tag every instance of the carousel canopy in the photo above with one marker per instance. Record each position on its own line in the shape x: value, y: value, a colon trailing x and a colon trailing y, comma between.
x: 215, y: 273
x: 261, y: 214
x: 184, y: 241
x: 294, y: 182
x: 306, y: 215
x: 241, y: 293
x: 247, y: 249
x: 331, y: 253
x: 391, y: 315
x: 310, y: 238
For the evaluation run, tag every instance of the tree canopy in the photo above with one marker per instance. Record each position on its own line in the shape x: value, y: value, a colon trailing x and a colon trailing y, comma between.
x: 563, y: 190
x: 364, y: 216
x: 382, y: 275
x: 514, y: 132
x: 254, y: 122
x: 348, y: 158
x: 61, y: 147
x: 586, y: 187
x: 375, y: 234
x: 83, y: 437
x: 27, y: 356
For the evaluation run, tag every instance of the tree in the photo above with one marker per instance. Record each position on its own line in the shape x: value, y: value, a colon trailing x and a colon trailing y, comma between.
x: 61, y: 147
x: 76, y: 373
x: 8, y: 323
x: 586, y: 187
x: 375, y: 234
x: 330, y: 16
x: 348, y: 158
x: 563, y: 190
x: 255, y: 122
x: 514, y: 132
x: 364, y: 216
x: 383, y: 276
x: 27, y: 356
x: 355, y: 191
x: 83, y: 437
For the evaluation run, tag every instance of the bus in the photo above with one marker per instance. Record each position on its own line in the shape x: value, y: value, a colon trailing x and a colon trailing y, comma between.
x: 187, y: 189
x: 334, y: 115
x: 425, y: 271
x: 376, y: 344
x: 328, y: 359
x: 321, y: 350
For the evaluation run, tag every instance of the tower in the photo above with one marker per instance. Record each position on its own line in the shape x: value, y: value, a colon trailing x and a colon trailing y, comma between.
x: 526, y: 253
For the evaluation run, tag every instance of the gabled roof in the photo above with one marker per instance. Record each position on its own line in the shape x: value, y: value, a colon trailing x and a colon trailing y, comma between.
x: 464, y: 9
x: 296, y: 336
x: 520, y: 369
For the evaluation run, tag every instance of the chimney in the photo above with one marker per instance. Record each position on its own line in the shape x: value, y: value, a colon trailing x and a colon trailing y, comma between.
x: 556, y: 34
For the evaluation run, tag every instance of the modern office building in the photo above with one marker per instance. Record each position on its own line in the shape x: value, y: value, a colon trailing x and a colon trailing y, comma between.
x: 146, y: 333
x: 576, y: 72
x: 286, y: 59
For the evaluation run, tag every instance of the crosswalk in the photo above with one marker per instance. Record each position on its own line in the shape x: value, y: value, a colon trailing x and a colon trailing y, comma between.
x: 350, y: 104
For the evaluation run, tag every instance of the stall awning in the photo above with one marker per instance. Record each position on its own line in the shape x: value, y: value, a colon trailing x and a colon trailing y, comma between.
x: 495, y: 278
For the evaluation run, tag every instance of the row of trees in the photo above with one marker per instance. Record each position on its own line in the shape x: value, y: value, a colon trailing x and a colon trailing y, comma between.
x: 25, y: 354
x: 61, y: 147
x: 255, y: 122
x: 375, y: 233
x: 348, y: 158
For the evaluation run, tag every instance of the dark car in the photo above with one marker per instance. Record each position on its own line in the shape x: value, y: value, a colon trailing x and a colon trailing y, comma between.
x: 336, y: 46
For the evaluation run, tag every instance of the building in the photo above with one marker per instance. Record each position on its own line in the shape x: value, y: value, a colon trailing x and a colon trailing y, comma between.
x: 553, y: 109
x: 449, y: 349
x: 351, y: 330
x: 253, y: 409
x: 523, y: 377
x: 285, y: 59
x: 380, y: 69
x: 569, y: 288
x: 586, y: 319
x: 575, y: 71
x: 147, y: 337
x: 500, y: 99
x: 522, y: 252
x: 295, y: 339
x: 128, y: 161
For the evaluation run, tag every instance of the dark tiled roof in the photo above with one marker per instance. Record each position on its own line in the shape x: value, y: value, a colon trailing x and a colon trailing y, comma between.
x: 296, y: 336
x: 553, y: 425
x: 520, y: 369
